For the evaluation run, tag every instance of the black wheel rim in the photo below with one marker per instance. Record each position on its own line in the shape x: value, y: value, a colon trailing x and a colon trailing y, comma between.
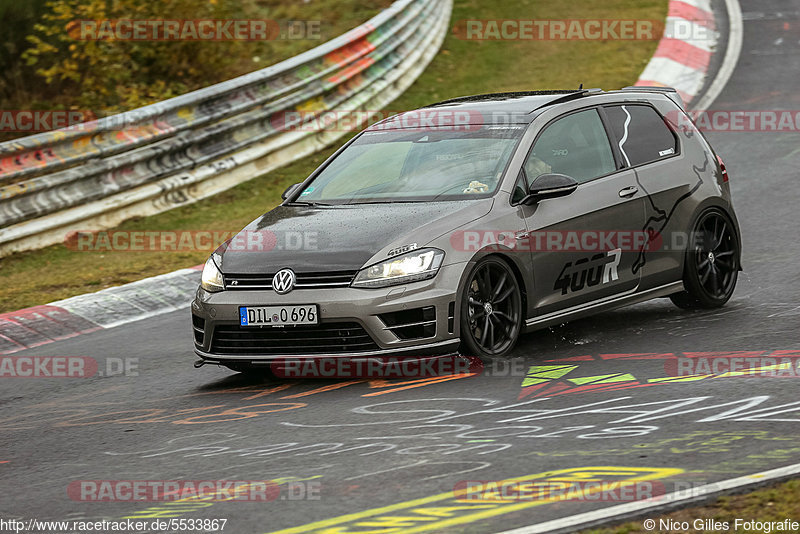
x: 493, y: 307
x: 716, y: 256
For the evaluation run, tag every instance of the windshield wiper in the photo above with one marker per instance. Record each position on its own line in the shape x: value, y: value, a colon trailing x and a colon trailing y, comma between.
x: 385, y: 202
x: 304, y: 203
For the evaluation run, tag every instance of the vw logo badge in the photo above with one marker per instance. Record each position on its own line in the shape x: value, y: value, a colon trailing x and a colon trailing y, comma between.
x: 283, y: 281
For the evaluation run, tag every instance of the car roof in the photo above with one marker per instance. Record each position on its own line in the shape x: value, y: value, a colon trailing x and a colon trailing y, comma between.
x: 511, y: 107
x: 522, y: 102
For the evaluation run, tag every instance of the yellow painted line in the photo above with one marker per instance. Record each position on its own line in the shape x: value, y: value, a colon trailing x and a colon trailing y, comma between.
x: 603, y: 379
x: 449, y: 509
x: 757, y: 371
x: 534, y: 381
x: 542, y: 373
x: 687, y: 378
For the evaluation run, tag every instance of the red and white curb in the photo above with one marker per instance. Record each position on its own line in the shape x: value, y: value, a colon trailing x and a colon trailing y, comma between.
x: 683, y: 55
x: 63, y: 319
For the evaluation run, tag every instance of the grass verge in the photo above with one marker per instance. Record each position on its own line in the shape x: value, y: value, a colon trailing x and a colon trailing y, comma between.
x: 773, y: 504
x: 462, y: 67
x: 45, y: 68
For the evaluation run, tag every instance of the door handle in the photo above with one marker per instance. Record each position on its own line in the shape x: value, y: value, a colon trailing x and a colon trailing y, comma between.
x: 628, y: 191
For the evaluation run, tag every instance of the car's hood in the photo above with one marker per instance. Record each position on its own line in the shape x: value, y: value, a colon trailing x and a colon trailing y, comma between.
x: 339, y: 238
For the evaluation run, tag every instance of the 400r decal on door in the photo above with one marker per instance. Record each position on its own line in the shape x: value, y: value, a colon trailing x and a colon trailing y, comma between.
x: 600, y: 268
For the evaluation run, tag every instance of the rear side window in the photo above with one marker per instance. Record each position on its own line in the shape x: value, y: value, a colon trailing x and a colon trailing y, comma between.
x: 641, y: 134
x: 575, y: 145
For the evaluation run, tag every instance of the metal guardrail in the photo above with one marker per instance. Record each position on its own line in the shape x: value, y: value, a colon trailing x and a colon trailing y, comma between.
x: 175, y: 152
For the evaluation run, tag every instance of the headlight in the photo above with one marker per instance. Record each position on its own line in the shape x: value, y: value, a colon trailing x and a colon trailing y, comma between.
x: 412, y: 267
x: 212, y: 278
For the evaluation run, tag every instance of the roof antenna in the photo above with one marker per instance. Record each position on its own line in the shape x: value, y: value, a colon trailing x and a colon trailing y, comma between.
x: 580, y: 88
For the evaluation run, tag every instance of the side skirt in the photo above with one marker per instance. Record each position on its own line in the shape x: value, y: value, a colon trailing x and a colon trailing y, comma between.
x: 608, y: 303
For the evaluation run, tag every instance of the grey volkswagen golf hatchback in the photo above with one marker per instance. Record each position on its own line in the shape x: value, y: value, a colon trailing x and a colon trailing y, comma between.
x: 464, y: 224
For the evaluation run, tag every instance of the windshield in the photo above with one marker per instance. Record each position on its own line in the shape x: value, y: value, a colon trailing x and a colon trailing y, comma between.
x: 416, y: 166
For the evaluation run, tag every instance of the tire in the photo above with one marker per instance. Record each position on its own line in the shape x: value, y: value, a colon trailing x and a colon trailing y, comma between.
x: 711, y: 265
x: 491, y: 310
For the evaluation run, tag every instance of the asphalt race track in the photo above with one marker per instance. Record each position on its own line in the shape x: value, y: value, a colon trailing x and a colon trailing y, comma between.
x: 599, y: 392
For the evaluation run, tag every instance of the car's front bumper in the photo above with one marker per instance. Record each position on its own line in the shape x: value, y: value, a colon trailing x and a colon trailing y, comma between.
x: 336, y: 306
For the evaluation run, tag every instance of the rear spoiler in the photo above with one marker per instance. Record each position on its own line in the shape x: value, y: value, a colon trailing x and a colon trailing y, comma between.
x: 669, y: 92
x: 569, y: 96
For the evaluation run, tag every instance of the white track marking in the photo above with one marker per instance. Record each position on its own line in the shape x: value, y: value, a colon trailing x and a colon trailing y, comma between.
x: 732, y: 53
x: 621, y: 511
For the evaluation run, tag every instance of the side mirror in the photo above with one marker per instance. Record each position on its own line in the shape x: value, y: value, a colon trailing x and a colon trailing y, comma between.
x: 550, y: 186
x: 290, y: 191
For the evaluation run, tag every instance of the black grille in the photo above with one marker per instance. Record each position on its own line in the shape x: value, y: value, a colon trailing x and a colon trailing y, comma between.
x: 451, y: 317
x: 198, y: 326
x: 324, y: 338
x: 411, y: 324
x: 321, y: 280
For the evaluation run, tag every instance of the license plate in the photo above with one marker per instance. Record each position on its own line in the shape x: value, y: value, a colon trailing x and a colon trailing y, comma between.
x: 278, y: 315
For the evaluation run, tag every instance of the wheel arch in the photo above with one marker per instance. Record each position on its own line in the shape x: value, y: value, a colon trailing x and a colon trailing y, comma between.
x: 505, y: 255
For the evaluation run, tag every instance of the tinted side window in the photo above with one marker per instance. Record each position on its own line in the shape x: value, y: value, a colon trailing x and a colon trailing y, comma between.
x: 575, y: 145
x: 641, y: 134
